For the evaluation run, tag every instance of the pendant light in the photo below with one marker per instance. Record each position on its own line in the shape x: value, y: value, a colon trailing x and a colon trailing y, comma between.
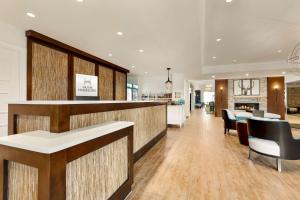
x: 168, y: 83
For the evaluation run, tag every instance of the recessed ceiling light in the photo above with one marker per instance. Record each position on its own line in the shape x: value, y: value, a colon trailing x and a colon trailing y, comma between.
x: 141, y: 50
x: 247, y: 74
x: 119, y: 33
x: 218, y: 40
x: 29, y: 14
x: 146, y: 72
x: 213, y: 76
x: 228, y: 1
x: 279, y: 51
x: 283, y: 73
x: 133, y: 66
x: 79, y: 1
x: 214, y: 57
x: 110, y: 55
x: 234, y: 60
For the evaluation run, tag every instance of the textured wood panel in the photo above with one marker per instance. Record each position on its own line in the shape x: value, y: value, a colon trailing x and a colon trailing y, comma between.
x: 26, y: 123
x: 120, y: 86
x: 22, y: 182
x: 293, y: 97
x: 106, y: 83
x: 221, y: 96
x: 83, y: 67
x: 49, y: 74
x: 99, y: 174
x: 276, y: 97
x: 148, y: 122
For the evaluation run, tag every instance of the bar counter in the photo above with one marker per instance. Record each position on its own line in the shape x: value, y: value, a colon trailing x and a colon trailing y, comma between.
x: 149, y: 118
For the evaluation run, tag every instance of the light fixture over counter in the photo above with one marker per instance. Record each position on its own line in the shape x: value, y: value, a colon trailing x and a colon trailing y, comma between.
x: 168, y: 83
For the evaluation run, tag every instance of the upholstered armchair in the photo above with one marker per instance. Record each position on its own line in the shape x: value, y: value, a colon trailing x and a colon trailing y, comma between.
x: 229, y: 120
x: 273, y: 138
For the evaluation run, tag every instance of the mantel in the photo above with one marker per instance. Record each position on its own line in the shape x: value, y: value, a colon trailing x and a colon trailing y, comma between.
x: 247, y: 97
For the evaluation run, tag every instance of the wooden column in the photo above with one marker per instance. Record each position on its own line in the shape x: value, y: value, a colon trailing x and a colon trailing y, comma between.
x: 275, y: 94
x: 221, y: 96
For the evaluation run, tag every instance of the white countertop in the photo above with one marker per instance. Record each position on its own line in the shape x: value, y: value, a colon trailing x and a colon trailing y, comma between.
x: 46, y: 142
x: 77, y: 102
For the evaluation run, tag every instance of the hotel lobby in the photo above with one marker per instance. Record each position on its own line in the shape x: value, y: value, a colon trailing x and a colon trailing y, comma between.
x: 149, y: 100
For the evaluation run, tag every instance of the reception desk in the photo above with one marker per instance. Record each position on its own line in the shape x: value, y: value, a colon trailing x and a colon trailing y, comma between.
x: 94, y: 162
x: 149, y: 118
x: 76, y: 149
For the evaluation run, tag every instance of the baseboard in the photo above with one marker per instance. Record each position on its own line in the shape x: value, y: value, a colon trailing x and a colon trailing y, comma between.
x: 137, y: 155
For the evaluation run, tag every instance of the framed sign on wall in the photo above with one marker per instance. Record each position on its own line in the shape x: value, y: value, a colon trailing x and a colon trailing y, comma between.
x: 246, y: 87
x: 86, y: 87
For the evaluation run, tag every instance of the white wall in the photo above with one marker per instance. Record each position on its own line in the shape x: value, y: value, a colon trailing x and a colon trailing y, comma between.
x: 151, y: 84
x: 156, y: 84
x: 178, y: 84
x: 12, y: 69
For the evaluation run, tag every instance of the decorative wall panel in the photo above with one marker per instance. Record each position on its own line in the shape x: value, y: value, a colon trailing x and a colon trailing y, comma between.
x: 26, y: 123
x: 99, y: 174
x: 83, y: 67
x: 22, y: 182
x: 120, y: 86
x: 106, y: 83
x: 148, y: 122
x: 293, y: 97
x: 276, y: 91
x: 49, y: 73
x: 221, y: 96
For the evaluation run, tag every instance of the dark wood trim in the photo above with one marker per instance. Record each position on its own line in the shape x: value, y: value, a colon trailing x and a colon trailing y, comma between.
x: 40, y: 37
x: 52, y: 167
x: 137, y: 155
x: 221, y: 96
x: 114, y: 85
x: 29, y: 69
x: 122, y: 192
x: 98, y: 75
x: 126, y: 88
x: 71, y: 84
x: 60, y: 119
x: 12, y: 123
x: 60, y: 114
x: 276, y: 97
x: 82, y: 149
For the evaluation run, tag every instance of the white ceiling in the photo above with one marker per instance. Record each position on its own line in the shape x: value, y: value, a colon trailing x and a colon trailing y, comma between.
x: 173, y: 33
x: 251, y: 30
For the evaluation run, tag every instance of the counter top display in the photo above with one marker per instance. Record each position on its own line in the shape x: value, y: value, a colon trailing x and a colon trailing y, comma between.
x: 149, y: 117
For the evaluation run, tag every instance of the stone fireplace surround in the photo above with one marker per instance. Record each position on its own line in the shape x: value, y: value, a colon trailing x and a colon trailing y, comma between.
x: 261, y: 100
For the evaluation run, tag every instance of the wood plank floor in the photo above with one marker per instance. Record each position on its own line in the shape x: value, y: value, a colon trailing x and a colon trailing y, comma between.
x: 199, y: 162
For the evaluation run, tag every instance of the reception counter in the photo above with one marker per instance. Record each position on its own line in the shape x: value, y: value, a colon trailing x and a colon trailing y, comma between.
x: 94, y: 162
x: 149, y: 118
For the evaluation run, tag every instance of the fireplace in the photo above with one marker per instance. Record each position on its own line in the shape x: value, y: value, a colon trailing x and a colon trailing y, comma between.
x: 249, y: 107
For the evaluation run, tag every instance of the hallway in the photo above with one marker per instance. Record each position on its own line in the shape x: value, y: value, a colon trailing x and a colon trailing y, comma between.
x: 199, y: 162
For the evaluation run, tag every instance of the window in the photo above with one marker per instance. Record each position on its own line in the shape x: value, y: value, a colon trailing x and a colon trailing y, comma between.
x: 132, y: 92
